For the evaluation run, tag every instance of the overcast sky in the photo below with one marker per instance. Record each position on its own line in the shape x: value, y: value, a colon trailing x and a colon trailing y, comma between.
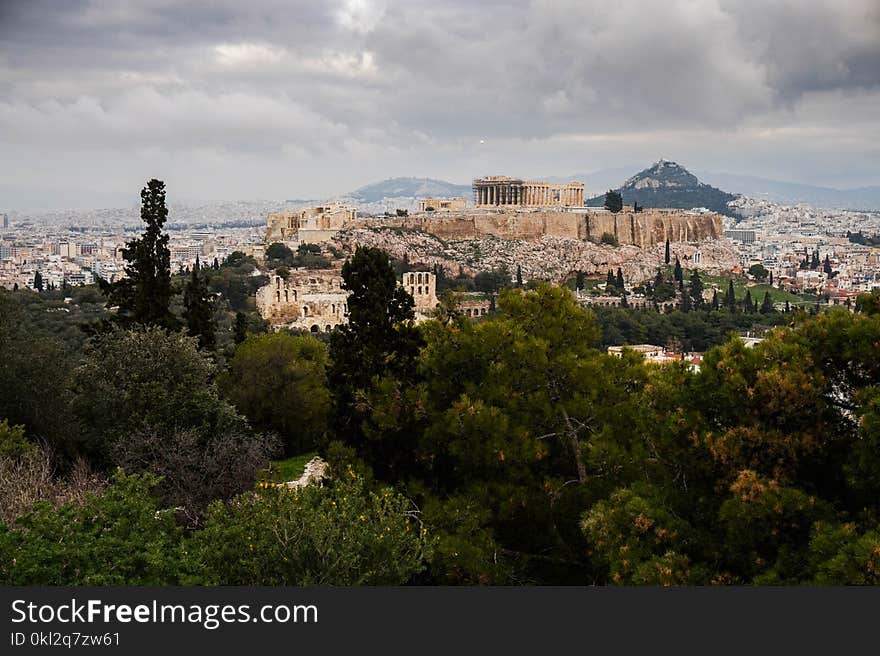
x: 275, y: 99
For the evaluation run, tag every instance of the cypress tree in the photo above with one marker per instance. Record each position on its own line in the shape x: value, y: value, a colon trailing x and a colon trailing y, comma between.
x: 685, y: 301
x: 667, y: 258
x: 239, y: 328
x: 826, y: 266
x: 579, y: 281
x: 767, y: 304
x: 714, y: 299
x: 38, y: 281
x: 696, y: 290
x: 199, y: 309
x: 619, y: 280
x: 748, y: 306
x: 610, y: 281
x: 787, y: 307
x: 677, y: 273
x: 144, y: 295
x: 771, y: 278
x: 730, y: 297
x: 519, y: 281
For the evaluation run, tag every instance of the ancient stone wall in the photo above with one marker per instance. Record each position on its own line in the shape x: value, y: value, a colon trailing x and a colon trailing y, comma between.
x: 650, y: 227
x: 642, y: 229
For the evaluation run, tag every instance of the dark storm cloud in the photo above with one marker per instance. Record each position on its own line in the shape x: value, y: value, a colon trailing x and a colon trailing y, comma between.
x: 378, y: 80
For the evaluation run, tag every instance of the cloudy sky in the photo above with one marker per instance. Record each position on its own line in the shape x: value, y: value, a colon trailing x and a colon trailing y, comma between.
x: 275, y: 99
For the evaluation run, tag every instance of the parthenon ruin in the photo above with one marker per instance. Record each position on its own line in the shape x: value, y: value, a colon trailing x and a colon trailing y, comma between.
x: 504, y: 191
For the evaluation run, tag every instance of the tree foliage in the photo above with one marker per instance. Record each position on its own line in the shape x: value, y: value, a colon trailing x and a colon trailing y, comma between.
x: 279, y: 382
x: 144, y: 295
x: 346, y: 534
x: 613, y: 201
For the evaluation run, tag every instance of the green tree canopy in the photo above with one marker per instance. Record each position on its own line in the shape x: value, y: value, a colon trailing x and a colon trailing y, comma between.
x: 144, y: 295
x: 279, y: 382
x: 613, y: 201
x: 345, y: 534
x: 759, y: 271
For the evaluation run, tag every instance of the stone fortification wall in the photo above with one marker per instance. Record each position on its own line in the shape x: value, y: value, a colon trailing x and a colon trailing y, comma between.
x: 642, y: 229
x: 650, y: 227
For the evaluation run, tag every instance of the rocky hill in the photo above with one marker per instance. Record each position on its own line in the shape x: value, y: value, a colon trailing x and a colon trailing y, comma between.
x: 547, y: 258
x: 395, y: 188
x: 668, y: 184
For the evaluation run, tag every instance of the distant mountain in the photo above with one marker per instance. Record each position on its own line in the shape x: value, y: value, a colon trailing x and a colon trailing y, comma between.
x: 667, y: 184
x: 408, y: 188
x: 792, y: 193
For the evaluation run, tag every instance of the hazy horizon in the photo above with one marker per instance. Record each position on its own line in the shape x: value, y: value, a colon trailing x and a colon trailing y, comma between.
x: 284, y: 100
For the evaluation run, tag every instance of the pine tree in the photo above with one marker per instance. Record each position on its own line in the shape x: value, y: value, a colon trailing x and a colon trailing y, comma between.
x: 144, y: 295
x: 613, y: 201
x: 239, y: 328
x: 199, y: 309
x: 767, y: 304
x: 667, y: 257
x: 619, y: 281
x: 38, y: 281
x: 678, y: 274
x: 748, y: 306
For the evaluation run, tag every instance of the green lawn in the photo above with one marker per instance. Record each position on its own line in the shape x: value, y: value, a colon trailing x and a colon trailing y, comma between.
x: 758, y: 291
x: 289, y: 469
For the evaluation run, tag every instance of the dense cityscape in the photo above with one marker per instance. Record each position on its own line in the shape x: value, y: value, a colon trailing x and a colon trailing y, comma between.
x: 343, y: 310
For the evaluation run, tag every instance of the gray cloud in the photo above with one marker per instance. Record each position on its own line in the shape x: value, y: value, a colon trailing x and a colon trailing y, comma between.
x: 306, y: 98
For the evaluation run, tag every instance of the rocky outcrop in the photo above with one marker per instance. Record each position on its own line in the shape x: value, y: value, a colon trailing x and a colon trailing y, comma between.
x: 651, y: 227
x: 643, y: 229
x: 547, y: 258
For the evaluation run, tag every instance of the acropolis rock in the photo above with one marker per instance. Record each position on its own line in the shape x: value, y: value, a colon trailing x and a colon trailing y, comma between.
x: 643, y: 229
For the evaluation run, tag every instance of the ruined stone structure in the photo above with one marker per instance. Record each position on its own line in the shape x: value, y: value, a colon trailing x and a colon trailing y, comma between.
x: 310, y: 300
x: 503, y: 191
x: 312, y: 225
x: 442, y: 204
x: 422, y: 286
x: 314, y: 300
x: 643, y: 229
x: 473, y: 305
